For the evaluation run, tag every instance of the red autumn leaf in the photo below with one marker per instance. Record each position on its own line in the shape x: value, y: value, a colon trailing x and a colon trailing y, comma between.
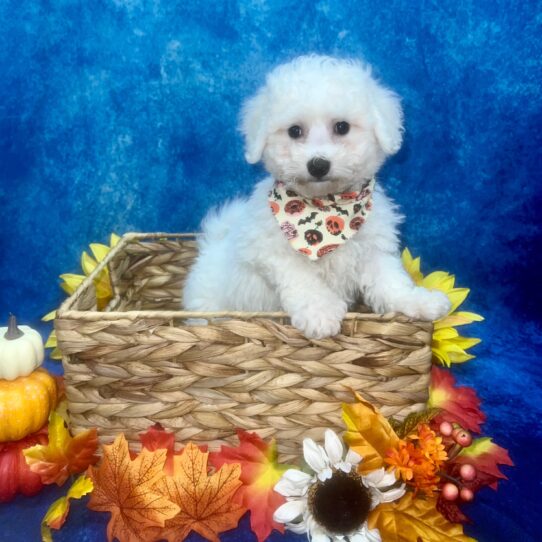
x: 157, y: 438
x: 458, y: 404
x: 259, y: 474
x: 451, y: 511
x: 485, y: 456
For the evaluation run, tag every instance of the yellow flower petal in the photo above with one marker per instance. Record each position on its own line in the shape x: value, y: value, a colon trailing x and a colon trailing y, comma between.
x: 439, y: 280
x: 99, y: 251
x: 114, y: 240
x: 51, y: 340
x: 457, y: 296
x: 88, y: 264
x: 49, y: 316
x: 458, y: 319
x: 56, y: 354
x: 465, y: 342
x: 412, y: 266
x: 445, y: 333
x: 71, y: 282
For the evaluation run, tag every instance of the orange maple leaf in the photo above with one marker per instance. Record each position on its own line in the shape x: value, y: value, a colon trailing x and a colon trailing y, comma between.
x: 63, y: 455
x: 130, y: 491
x: 206, y: 502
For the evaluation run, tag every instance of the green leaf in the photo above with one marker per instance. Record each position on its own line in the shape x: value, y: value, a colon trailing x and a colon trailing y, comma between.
x: 409, y: 424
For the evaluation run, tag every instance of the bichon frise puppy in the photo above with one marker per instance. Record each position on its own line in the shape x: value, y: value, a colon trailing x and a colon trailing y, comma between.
x: 319, y: 233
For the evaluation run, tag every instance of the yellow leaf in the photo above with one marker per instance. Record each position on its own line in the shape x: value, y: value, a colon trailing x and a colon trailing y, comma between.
x: 413, y: 519
x: 80, y: 487
x: 368, y: 433
x: 58, y: 511
x: 56, y: 354
x: 63, y: 455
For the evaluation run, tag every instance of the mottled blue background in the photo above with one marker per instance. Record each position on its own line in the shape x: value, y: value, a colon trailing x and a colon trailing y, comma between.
x: 121, y: 115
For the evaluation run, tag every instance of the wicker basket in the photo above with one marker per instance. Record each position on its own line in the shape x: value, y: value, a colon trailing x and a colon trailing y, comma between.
x: 139, y: 361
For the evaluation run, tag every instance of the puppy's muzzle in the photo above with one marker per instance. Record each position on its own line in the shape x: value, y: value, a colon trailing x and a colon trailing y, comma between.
x: 318, y: 167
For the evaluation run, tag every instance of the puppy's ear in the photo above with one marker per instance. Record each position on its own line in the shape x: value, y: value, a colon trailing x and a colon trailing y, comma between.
x: 388, y: 119
x: 254, y: 126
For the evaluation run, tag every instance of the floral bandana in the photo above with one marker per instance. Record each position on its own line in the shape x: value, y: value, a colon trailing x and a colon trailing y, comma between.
x: 315, y: 227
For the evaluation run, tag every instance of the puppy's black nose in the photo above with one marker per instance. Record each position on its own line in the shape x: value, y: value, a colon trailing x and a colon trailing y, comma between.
x: 318, y: 167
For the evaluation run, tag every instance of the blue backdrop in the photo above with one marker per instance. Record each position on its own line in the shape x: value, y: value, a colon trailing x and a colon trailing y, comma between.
x: 121, y: 115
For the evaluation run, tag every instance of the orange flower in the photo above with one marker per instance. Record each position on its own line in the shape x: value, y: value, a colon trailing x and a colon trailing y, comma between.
x: 417, y: 459
x: 430, y: 444
x: 401, y: 460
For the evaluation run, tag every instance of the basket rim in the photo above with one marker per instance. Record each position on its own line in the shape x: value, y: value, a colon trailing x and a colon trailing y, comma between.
x: 65, y: 310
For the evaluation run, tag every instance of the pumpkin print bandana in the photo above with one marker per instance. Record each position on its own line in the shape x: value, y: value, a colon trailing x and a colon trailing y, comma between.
x: 317, y: 226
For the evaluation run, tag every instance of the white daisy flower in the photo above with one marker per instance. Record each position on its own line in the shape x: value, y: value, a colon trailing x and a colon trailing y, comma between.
x: 333, y: 503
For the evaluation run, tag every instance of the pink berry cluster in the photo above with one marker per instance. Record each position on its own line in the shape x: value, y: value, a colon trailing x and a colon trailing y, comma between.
x: 454, y: 488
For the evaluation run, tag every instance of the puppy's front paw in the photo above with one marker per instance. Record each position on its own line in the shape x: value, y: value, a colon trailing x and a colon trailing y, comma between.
x: 320, y: 320
x: 425, y: 304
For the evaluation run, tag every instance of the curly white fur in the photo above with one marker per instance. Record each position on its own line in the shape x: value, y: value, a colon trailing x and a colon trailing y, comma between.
x: 246, y: 263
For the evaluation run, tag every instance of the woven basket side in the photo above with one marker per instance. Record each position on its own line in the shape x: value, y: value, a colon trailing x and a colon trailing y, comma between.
x: 150, y: 274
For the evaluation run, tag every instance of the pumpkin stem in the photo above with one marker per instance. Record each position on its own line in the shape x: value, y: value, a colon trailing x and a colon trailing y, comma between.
x: 13, y: 331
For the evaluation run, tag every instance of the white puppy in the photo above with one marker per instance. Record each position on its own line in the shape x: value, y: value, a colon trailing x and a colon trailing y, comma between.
x: 323, y: 127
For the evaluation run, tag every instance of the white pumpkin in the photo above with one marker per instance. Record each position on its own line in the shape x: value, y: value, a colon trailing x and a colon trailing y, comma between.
x: 21, y: 350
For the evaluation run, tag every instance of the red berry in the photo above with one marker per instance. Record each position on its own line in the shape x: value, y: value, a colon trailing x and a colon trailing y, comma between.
x: 467, y: 472
x: 446, y: 429
x: 466, y: 494
x: 463, y: 438
x: 450, y: 492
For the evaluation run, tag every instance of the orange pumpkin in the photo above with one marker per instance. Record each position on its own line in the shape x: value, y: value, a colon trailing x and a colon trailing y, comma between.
x: 25, y: 404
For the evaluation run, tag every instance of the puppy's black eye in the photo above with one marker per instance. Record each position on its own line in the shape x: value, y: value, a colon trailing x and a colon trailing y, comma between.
x: 295, y: 131
x: 342, y: 127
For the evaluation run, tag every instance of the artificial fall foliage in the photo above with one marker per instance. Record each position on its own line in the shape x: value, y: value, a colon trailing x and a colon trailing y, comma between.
x: 57, y: 513
x: 205, y: 501
x: 411, y: 519
x: 260, y: 471
x: 368, y: 433
x: 157, y: 438
x: 485, y: 456
x: 146, y: 504
x: 63, y: 455
x: 128, y: 489
x: 456, y: 404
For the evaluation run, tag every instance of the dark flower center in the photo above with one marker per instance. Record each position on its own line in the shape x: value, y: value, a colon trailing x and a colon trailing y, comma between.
x: 341, y: 504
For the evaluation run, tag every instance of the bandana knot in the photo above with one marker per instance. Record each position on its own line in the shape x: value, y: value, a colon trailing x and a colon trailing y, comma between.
x: 318, y: 226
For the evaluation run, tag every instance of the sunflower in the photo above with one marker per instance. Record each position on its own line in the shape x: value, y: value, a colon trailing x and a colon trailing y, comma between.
x: 70, y: 283
x: 333, y: 502
x: 448, y: 345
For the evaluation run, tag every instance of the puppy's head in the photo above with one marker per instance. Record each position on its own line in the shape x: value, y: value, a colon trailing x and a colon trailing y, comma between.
x: 322, y: 125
